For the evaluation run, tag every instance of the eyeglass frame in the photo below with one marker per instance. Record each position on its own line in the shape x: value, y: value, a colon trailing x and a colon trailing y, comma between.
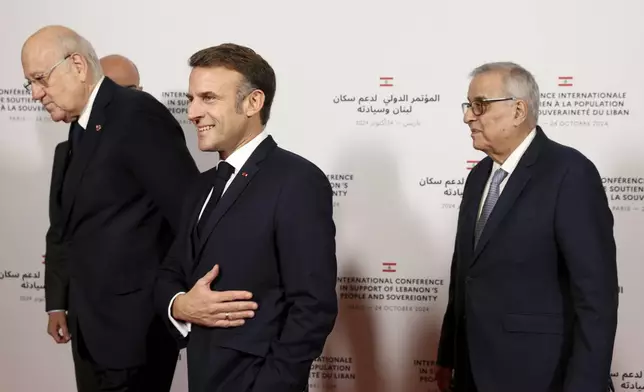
x: 484, y: 102
x: 43, y: 79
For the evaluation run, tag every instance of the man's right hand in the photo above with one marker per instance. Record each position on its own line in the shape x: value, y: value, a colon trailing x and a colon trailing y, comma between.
x: 57, y: 327
x: 203, y: 306
x: 444, y: 378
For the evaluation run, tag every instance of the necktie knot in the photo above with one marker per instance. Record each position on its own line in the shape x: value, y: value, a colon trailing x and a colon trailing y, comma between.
x: 224, y: 170
x: 499, y: 176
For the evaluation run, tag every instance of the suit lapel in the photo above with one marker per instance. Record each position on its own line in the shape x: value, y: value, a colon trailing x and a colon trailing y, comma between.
x: 61, y: 160
x: 83, y: 154
x: 515, y: 185
x: 240, y: 182
x: 203, y: 190
x: 61, y: 155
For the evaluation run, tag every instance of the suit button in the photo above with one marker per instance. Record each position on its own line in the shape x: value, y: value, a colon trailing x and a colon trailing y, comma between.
x: 468, y: 279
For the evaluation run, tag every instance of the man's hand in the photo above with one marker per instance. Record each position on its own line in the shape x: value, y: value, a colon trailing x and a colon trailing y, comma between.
x: 209, y: 308
x: 57, y: 327
x: 444, y: 378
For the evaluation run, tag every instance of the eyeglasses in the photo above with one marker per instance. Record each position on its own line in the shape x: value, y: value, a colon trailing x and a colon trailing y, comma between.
x: 42, y: 80
x: 479, y: 106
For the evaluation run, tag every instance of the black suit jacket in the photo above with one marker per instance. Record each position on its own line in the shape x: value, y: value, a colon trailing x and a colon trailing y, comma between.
x: 56, y: 276
x: 272, y: 233
x: 114, y: 210
x: 538, y: 297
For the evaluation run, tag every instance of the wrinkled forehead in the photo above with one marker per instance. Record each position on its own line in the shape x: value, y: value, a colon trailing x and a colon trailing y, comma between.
x: 487, y: 85
x: 38, y: 56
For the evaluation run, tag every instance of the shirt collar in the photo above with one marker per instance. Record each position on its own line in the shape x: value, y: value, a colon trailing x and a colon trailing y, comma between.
x: 239, y: 157
x: 513, y: 160
x: 83, y: 120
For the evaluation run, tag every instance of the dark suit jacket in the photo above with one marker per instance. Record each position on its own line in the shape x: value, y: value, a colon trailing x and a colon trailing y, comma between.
x: 272, y: 233
x: 115, y: 209
x: 538, y: 297
x: 56, y: 276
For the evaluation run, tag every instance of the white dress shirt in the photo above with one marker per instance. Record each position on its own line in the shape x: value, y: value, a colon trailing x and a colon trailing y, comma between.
x: 82, y: 121
x: 87, y: 110
x: 237, y: 160
x: 508, y: 166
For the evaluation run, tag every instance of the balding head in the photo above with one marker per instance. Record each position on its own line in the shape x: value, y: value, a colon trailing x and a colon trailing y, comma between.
x: 121, y: 70
x: 61, y: 68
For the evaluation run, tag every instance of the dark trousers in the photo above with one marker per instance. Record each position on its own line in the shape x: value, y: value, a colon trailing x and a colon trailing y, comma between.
x: 156, y: 375
x: 225, y: 370
x: 463, y: 378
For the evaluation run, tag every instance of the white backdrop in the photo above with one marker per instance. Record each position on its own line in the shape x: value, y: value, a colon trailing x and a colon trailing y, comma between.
x: 396, y: 154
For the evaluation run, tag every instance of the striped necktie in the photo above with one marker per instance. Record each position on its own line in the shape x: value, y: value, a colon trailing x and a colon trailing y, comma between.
x: 492, y: 196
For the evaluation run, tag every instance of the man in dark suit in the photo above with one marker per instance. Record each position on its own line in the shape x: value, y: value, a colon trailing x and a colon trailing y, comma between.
x: 116, y: 195
x: 533, y: 292
x: 270, y: 234
x: 125, y: 73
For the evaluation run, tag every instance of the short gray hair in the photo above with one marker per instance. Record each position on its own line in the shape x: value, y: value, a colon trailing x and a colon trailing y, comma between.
x: 244, y: 88
x: 518, y: 81
x: 77, y: 44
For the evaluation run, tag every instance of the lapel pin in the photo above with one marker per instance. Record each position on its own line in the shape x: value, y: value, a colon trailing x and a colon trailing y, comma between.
x: 98, y: 128
x: 244, y: 174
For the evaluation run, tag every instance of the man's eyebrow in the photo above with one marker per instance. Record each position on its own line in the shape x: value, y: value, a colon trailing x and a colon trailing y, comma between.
x: 205, y: 94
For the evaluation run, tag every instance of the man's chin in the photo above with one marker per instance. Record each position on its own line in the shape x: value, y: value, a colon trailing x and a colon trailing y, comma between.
x: 58, y: 118
x: 206, y: 148
x: 477, y: 143
x: 56, y: 113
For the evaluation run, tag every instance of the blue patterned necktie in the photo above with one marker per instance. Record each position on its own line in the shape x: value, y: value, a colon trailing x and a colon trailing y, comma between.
x: 492, y: 196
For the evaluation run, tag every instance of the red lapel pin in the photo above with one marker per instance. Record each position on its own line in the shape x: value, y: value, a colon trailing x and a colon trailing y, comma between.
x: 244, y: 174
x: 98, y: 128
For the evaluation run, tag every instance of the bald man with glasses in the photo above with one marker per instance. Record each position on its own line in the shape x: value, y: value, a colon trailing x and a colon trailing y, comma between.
x: 115, y: 197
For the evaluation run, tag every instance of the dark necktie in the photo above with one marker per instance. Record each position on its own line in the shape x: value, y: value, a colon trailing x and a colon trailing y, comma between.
x: 75, y: 136
x: 222, y: 175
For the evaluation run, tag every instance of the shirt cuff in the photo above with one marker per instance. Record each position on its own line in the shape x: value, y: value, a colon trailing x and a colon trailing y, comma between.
x: 56, y: 310
x: 183, y: 327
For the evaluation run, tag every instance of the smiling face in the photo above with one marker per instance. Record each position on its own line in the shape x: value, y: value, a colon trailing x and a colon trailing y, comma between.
x: 223, y: 118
